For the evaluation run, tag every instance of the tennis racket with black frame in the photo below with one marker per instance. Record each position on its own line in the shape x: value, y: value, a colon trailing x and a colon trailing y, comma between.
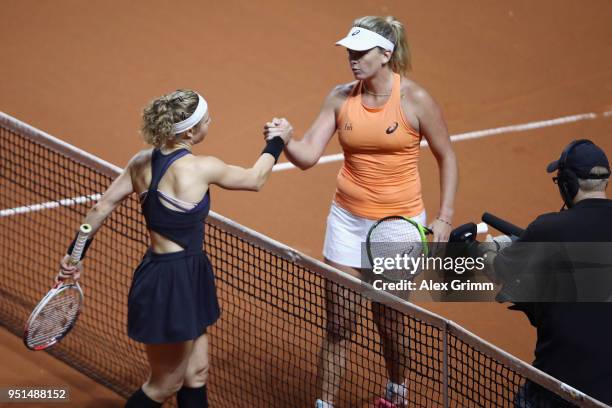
x: 396, y: 235
x: 57, y: 312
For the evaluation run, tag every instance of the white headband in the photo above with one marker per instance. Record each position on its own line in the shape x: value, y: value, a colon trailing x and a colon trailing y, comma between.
x: 361, y: 39
x: 194, y: 119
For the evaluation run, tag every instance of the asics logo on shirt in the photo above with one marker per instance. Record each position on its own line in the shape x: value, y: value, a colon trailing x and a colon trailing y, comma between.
x: 392, y: 128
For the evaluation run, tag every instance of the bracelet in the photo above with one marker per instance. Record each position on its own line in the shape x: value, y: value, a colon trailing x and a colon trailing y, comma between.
x: 444, y: 221
x: 274, y: 147
x: 85, y: 247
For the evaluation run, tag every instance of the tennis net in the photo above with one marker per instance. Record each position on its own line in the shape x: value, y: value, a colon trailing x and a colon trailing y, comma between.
x: 264, y: 349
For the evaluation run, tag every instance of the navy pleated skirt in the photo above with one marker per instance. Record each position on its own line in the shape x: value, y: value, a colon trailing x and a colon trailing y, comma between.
x: 172, y: 298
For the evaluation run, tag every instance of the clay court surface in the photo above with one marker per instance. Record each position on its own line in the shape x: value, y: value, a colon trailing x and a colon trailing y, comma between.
x: 82, y: 71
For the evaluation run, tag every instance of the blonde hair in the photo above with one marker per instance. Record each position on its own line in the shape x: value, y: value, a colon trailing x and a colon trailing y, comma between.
x: 392, y: 30
x: 590, y: 185
x: 160, y: 115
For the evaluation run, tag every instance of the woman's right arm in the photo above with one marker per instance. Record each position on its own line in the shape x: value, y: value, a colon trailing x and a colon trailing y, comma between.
x: 306, y: 152
x: 231, y: 177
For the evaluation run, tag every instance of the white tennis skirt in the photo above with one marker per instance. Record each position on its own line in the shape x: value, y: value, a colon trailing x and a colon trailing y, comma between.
x: 346, y: 234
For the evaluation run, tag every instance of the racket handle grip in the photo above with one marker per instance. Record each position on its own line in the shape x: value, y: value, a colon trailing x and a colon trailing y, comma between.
x: 502, y: 225
x: 79, y: 245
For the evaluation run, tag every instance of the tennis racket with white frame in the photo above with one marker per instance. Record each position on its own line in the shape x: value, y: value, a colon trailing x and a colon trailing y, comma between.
x: 57, y: 312
x: 392, y: 237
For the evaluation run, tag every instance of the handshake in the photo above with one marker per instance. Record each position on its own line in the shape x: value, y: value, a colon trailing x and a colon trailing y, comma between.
x: 278, y: 127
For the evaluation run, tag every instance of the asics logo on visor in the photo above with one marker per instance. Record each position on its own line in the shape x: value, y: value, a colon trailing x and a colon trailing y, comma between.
x: 355, y: 32
x: 392, y: 128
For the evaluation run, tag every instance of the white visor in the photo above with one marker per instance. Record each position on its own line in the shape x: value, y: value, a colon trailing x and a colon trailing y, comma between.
x: 194, y: 119
x: 360, y: 39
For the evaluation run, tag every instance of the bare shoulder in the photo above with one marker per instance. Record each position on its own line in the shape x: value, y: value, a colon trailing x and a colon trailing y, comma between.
x: 140, y: 159
x: 416, y: 95
x: 339, y: 94
x: 207, y: 168
x: 343, y: 90
x: 206, y: 163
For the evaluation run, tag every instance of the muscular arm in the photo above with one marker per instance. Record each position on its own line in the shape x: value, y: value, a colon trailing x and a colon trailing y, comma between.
x: 306, y: 152
x: 433, y: 127
x: 118, y: 191
x: 237, y: 178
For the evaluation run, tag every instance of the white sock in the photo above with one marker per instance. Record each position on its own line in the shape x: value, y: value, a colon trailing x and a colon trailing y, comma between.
x: 323, y: 404
x: 396, y: 389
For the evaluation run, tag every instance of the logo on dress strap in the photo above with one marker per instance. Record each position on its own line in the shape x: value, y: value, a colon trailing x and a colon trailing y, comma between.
x: 392, y: 128
x: 348, y: 126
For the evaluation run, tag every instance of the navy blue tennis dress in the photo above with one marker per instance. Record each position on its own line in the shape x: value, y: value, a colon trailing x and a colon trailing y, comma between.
x: 173, y: 296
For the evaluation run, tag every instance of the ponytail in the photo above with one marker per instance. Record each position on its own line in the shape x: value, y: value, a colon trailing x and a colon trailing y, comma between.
x: 393, y: 30
x: 161, y: 114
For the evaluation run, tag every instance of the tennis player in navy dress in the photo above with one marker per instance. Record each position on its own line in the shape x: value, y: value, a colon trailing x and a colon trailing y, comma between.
x: 172, y: 299
x: 185, y: 302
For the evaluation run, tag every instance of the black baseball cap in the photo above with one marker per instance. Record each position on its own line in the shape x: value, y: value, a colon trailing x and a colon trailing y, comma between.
x: 581, y: 159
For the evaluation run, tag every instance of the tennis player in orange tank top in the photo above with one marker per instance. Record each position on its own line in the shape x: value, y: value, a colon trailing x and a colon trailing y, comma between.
x: 380, y: 175
x: 380, y: 119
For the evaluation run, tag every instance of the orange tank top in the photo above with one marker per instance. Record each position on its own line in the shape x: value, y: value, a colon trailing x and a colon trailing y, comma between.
x: 380, y: 175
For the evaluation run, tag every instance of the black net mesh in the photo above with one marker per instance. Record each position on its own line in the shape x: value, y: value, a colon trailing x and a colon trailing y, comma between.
x: 265, y: 349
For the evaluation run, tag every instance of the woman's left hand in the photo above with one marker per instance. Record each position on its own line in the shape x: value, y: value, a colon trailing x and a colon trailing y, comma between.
x: 441, y: 230
x: 69, y: 270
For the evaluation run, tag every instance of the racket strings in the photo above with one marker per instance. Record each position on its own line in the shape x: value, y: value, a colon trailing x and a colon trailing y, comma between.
x: 394, y: 238
x: 54, y: 318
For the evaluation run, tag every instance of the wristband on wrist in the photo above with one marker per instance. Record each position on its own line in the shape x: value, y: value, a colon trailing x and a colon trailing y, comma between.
x: 274, y: 147
x: 73, y: 243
